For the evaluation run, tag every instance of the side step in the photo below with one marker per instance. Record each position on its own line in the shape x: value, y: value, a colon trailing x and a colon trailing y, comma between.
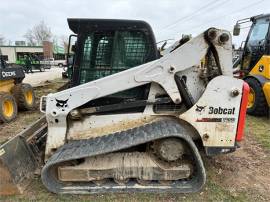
x: 20, y: 157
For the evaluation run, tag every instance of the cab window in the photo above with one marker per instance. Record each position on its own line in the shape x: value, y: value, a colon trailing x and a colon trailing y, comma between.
x: 259, y: 32
x: 106, y: 53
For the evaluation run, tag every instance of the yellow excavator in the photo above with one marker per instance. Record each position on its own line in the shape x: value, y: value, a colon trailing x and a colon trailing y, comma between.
x: 254, y: 63
x: 14, y: 94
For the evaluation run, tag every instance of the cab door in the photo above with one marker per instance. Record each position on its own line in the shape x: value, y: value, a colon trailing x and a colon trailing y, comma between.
x: 257, y: 44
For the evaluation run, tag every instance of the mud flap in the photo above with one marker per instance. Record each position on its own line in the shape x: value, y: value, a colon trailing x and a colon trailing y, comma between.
x: 17, y: 164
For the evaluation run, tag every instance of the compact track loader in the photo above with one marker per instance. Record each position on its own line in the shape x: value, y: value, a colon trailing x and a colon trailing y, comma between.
x: 131, y: 119
x: 254, y: 63
x: 135, y: 121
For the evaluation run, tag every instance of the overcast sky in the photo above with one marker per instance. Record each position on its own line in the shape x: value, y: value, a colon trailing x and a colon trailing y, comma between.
x: 168, y: 18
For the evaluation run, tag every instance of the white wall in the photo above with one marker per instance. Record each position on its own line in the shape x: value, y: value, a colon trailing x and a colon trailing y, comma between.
x: 11, y: 51
x: 29, y: 49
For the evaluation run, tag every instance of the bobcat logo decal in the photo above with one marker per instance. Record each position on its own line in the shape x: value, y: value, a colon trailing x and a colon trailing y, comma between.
x: 200, y: 109
x: 61, y: 103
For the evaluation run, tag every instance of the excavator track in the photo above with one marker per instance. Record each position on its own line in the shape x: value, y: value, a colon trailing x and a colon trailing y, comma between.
x: 111, y: 143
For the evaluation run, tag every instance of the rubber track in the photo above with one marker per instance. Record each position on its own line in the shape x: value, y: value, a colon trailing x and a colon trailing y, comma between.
x: 117, y: 141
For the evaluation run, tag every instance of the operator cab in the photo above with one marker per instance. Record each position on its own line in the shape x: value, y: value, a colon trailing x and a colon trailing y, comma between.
x: 105, y: 47
x: 255, y: 63
x: 258, y: 40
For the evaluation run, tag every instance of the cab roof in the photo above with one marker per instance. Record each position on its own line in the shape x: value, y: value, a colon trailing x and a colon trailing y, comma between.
x: 256, y: 17
x: 79, y: 25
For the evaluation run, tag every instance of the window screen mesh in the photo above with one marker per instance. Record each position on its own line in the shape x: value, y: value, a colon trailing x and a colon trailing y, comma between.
x: 106, y: 53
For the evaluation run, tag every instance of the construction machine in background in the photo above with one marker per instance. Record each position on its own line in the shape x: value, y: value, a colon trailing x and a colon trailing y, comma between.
x: 254, y: 63
x: 31, y: 62
x: 14, y: 94
x: 132, y: 120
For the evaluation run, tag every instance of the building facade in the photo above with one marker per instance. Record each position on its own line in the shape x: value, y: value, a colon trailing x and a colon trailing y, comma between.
x: 13, y: 54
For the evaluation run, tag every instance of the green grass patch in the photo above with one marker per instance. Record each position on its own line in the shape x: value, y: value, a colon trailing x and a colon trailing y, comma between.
x: 259, y: 128
x: 211, y: 192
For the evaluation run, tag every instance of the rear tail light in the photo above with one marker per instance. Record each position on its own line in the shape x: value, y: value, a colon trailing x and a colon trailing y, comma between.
x: 242, y: 113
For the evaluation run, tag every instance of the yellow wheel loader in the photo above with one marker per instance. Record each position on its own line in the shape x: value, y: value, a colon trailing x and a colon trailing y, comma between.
x: 254, y: 63
x: 133, y: 121
x: 14, y: 94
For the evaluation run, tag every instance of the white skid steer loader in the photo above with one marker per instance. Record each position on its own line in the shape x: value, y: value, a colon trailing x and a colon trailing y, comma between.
x: 133, y: 121
x: 145, y: 144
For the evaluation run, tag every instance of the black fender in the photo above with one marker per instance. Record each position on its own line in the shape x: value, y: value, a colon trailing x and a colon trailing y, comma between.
x: 261, y: 79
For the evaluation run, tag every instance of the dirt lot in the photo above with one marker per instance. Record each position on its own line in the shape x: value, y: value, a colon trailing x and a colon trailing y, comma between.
x: 241, y: 176
x: 27, y: 117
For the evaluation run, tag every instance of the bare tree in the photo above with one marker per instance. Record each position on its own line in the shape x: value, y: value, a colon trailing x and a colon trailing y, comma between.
x: 30, y: 39
x: 39, y: 33
x: 64, y: 42
x: 2, y: 40
x: 42, y: 32
x: 55, y: 39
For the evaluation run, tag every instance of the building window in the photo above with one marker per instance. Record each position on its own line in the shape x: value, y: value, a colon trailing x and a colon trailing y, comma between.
x: 5, y: 57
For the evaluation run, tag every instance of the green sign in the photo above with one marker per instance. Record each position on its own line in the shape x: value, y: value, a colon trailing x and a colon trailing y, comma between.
x: 58, y: 49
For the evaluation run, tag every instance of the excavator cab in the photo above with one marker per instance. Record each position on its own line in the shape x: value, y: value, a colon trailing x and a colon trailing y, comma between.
x: 255, y: 63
